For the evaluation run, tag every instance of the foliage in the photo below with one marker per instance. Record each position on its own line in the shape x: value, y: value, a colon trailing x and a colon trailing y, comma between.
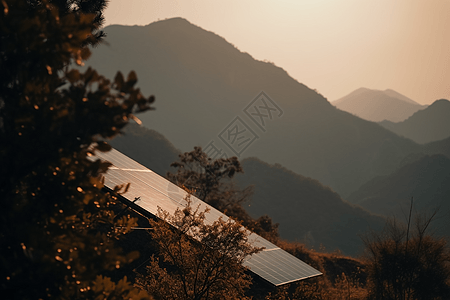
x: 57, y: 227
x: 211, y: 181
x: 197, y: 260
x: 206, y: 177
x: 404, y: 265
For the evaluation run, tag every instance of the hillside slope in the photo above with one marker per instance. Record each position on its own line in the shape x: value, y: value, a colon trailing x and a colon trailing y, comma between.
x: 425, y: 126
x: 306, y: 210
x: 426, y: 179
x: 441, y: 147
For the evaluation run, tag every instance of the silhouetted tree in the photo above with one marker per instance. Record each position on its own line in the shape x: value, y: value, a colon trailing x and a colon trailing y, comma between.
x: 211, y: 181
x: 57, y: 226
x: 407, y: 264
x: 197, y: 260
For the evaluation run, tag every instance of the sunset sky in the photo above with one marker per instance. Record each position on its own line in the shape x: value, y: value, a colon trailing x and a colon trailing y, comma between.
x: 334, y: 46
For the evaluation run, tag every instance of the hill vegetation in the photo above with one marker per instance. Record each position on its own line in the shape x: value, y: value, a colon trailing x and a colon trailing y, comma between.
x: 438, y: 147
x: 426, y: 179
x: 306, y: 210
x: 424, y: 126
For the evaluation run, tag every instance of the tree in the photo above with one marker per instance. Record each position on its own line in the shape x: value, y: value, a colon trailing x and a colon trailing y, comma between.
x: 197, y: 260
x: 210, y: 179
x: 212, y: 182
x: 404, y: 265
x: 58, y: 228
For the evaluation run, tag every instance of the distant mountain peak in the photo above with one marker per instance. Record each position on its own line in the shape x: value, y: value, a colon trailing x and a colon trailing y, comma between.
x: 177, y: 21
x: 363, y: 89
x: 377, y: 105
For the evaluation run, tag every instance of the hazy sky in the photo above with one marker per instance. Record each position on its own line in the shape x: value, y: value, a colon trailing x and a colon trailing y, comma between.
x: 334, y: 46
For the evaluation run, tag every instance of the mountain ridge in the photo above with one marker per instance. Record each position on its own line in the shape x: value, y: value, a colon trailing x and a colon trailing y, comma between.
x: 203, y: 84
x: 428, y: 125
x: 306, y: 210
x: 425, y: 178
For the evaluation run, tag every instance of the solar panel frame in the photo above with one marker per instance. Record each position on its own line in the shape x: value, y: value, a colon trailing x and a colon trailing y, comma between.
x: 273, y: 264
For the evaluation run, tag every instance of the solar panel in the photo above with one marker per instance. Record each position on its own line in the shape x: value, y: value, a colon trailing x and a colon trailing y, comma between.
x: 272, y: 264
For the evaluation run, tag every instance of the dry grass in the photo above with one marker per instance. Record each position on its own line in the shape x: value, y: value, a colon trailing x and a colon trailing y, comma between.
x: 343, y: 278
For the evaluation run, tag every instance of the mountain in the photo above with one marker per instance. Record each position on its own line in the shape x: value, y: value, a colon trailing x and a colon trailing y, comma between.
x: 424, y: 126
x: 306, y: 210
x: 426, y: 179
x: 441, y: 147
x: 377, y: 106
x: 207, y: 91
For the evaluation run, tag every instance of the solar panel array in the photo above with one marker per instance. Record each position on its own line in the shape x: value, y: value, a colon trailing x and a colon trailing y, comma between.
x: 272, y: 264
